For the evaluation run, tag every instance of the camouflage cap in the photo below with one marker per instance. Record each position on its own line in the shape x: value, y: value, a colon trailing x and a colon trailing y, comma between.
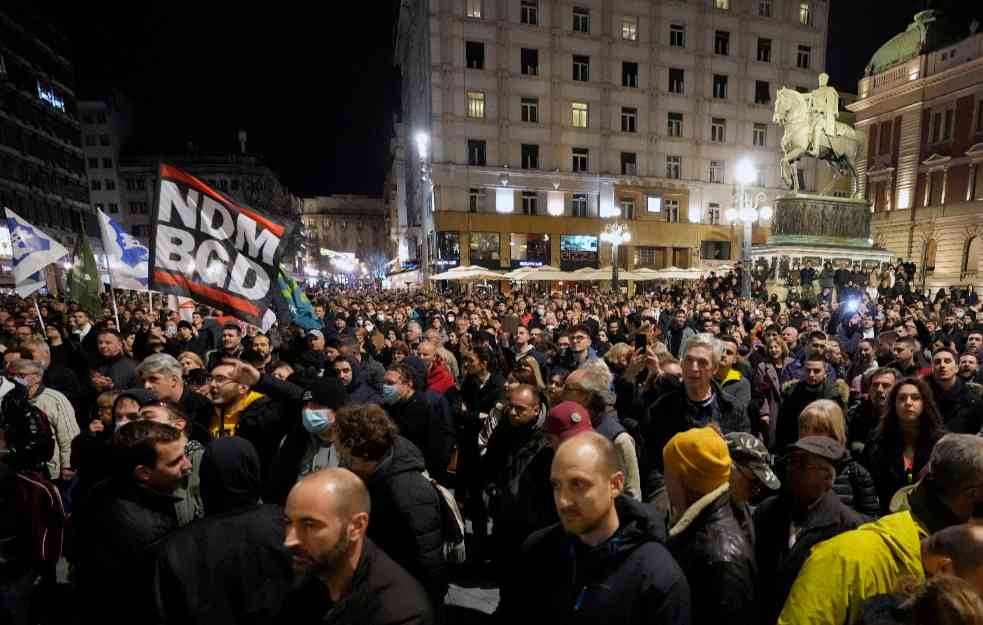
x: 748, y: 451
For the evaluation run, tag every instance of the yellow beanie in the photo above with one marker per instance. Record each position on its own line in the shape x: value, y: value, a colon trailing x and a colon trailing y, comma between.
x: 700, y: 459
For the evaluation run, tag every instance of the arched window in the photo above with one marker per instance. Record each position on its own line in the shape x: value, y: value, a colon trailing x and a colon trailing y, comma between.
x: 971, y: 256
x: 929, y: 260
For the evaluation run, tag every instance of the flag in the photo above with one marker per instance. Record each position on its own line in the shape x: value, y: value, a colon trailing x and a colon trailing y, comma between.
x: 291, y: 298
x: 211, y: 248
x: 128, y: 258
x: 184, y: 306
x: 84, y: 282
x: 32, y: 251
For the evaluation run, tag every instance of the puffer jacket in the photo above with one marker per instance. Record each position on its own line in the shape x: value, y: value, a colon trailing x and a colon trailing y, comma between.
x: 855, y: 488
x: 780, y: 564
x: 717, y: 557
x: 406, y: 520
x: 629, y: 579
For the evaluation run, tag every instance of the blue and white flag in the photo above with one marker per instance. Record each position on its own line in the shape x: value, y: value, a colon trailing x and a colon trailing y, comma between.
x: 32, y: 250
x: 127, y: 257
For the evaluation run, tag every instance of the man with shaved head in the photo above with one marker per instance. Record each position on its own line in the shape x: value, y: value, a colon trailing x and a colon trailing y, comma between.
x: 604, y: 561
x: 346, y: 578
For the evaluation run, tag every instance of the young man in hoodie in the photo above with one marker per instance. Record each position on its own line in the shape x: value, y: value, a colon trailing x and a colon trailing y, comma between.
x: 604, y: 562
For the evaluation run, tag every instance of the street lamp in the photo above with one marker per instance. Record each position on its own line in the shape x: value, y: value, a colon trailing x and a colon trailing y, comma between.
x: 747, y: 212
x: 615, y: 234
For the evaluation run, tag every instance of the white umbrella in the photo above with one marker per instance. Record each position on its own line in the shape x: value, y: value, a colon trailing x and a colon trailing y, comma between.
x: 470, y: 272
x: 544, y: 273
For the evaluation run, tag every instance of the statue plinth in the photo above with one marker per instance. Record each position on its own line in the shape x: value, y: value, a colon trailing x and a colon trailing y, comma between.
x: 807, y: 227
x: 809, y: 219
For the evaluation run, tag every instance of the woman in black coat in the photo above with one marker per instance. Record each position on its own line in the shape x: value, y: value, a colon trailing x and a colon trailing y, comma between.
x: 898, y: 452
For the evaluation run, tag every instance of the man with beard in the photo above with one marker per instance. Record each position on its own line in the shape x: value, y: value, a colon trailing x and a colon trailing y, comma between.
x: 346, y: 578
x: 604, y: 561
x: 865, y: 416
x: 231, y: 346
x: 969, y: 366
x: 263, y: 349
x: 816, y: 384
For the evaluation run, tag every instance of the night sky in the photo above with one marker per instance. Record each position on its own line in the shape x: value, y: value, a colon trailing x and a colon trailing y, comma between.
x: 314, y: 86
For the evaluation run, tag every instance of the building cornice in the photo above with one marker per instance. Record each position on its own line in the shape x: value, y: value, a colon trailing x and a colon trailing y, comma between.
x: 924, y: 83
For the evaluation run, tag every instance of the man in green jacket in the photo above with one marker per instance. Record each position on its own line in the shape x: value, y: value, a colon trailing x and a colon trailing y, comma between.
x: 846, y: 570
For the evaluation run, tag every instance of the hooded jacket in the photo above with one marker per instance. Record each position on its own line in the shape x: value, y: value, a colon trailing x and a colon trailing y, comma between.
x: 359, y: 391
x: 717, y: 556
x: 628, y: 579
x: 230, y: 567
x: 406, y: 520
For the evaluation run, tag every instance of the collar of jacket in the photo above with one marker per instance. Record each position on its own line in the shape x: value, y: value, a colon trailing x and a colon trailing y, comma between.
x: 696, y: 508
x: 822, y: 513
x: 241, y: 405
x: 928, y: 509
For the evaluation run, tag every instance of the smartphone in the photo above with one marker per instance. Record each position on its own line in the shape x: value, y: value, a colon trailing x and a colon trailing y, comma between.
x: 641, y: 341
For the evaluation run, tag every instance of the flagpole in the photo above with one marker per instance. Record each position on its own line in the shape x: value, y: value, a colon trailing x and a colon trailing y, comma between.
x: 37, y: 309
x: 112, y: 292
x: 150, y: 298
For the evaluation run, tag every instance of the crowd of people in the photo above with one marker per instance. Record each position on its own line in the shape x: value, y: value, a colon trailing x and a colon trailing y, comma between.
x: 675, y: 456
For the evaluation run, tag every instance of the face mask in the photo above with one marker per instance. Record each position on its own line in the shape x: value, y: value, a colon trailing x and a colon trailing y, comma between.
x: 315, y: 421
x: 390, y: 394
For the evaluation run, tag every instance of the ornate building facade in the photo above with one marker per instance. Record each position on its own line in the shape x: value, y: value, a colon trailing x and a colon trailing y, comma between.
x: 920, y: 107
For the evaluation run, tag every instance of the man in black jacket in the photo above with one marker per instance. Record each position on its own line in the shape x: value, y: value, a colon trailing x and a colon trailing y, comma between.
x: 406, y: 507
x: 163, y: 374
x: 696, y: 402
x: 515, y: 472
x: 704, y: 536
x: 125, y: 515
x: 960, y: 408
x: 604, y: 562
x: 113, y: 370
x: 417, y: 419
x: 798, y: 394
x: 353, y: 377
x: 230, y: 567
x: 806, y: 513
x: 347, y: 579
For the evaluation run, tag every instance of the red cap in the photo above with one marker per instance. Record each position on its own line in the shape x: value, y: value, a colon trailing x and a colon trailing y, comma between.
x: 568, y: 419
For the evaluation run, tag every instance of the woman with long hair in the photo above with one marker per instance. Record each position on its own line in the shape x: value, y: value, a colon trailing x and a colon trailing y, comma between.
x: 767, y: 385
x: 898, y: 453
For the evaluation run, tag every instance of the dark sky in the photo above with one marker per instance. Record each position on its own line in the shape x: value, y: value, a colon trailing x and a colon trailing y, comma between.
x: 314, y: 86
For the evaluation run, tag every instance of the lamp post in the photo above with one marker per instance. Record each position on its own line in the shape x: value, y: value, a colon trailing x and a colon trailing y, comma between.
x: 615, y: 234
x: 747, y: 212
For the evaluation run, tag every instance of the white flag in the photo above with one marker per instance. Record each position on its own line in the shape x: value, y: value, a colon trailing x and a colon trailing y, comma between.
x: 184, y: 306
x: 128, y: 258
x: 32, y: 250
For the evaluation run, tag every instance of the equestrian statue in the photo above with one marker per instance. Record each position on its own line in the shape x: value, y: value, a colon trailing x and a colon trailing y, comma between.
x: 811, y: 129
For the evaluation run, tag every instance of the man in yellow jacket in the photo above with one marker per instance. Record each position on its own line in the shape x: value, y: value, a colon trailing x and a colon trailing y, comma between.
x: 846, y: 570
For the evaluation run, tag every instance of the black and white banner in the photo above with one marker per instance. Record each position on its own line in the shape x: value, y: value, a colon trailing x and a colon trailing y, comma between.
x: 210, y: 248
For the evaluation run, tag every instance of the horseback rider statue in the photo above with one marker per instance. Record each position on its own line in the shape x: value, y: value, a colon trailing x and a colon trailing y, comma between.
x: 811, y: 128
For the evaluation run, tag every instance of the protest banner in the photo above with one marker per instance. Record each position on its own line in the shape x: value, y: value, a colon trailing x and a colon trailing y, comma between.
x: 209, y: 247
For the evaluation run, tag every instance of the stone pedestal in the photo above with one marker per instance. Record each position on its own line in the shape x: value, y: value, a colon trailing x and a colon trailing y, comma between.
x: 819, y: 228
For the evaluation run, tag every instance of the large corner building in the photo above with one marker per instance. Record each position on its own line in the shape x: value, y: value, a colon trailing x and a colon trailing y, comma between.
x: 526, y: 126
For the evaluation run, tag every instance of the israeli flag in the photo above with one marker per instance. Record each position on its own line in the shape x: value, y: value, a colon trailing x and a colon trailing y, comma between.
x: 128, y: 258
x: 32, y: 250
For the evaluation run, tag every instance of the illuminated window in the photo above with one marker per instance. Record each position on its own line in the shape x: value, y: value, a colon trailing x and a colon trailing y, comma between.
x: 672, y: 211
x: 579, y: 112
x: 723, y: 5
x: 629, y: 27
x: 474, y: 8
x: 476, y: 104
x: 50, y: 95
x: 805, y: 14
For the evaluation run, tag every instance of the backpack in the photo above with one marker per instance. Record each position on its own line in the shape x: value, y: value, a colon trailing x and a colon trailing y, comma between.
x: 40, y: 502
x: 453, y: 524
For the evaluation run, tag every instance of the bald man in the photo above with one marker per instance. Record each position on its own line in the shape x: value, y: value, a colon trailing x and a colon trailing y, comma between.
x: 346, y: 578
x: 604, y: 562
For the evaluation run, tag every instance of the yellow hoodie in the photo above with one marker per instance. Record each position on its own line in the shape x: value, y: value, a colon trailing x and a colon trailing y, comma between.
x: 845, y: 571
x: 225, y: 423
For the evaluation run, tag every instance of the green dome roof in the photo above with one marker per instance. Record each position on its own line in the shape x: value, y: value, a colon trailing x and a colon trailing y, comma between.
x: 930, y: 31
